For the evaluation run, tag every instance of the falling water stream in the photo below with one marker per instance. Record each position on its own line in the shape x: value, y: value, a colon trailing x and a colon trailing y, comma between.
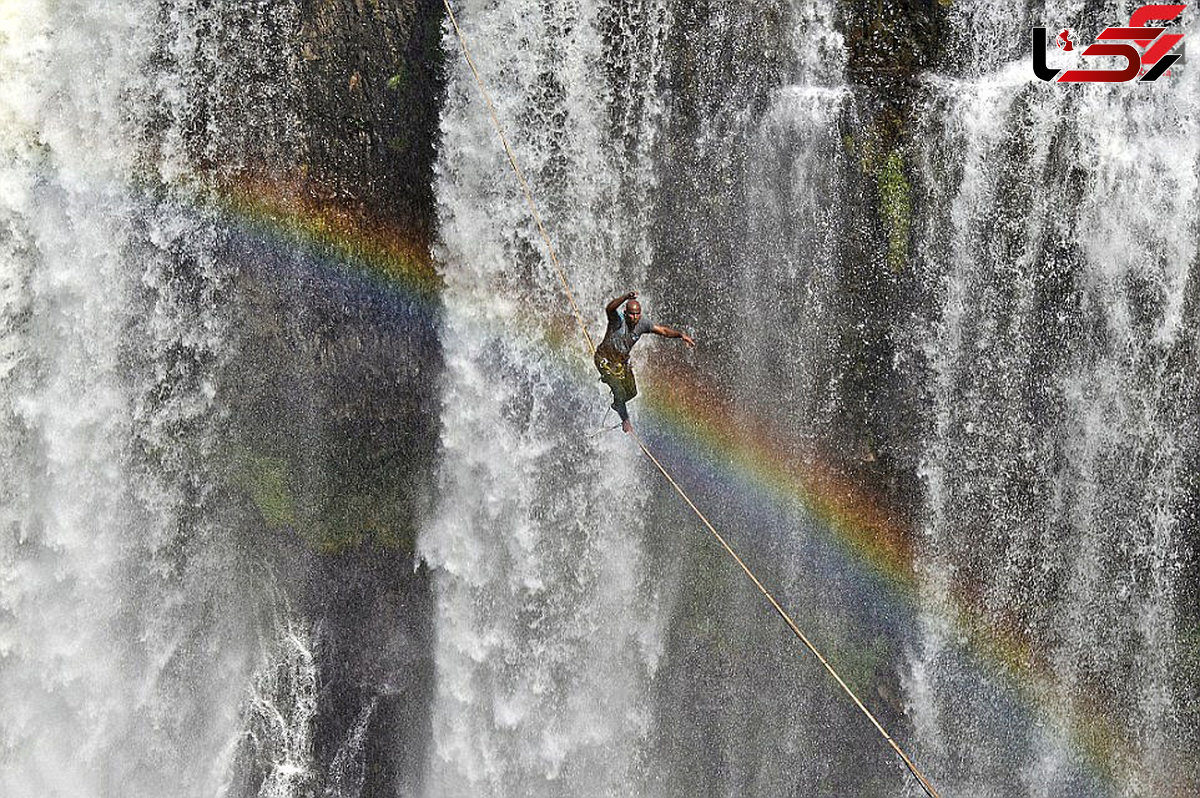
x: 119, y: 673
x: 1061, y: 351
x: 539, y: 538
x: 962, y: 300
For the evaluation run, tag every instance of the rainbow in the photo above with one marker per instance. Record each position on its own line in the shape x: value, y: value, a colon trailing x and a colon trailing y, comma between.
x: 348, y: 242
x: 692, y: 418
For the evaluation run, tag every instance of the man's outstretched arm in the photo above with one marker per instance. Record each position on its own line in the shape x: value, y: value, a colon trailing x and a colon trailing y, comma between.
x: 671, y: 332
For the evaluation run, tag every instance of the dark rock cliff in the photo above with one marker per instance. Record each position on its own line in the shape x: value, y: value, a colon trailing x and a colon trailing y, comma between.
x: 323, y: 156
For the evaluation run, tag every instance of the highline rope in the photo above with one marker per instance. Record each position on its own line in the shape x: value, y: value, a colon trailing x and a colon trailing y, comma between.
x: 791, y: 624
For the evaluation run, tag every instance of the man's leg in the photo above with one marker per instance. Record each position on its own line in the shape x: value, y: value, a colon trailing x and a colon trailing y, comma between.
x: 619, y: 406
x: 619, y: 398
x: 619, y: 379
x: 628, y: 390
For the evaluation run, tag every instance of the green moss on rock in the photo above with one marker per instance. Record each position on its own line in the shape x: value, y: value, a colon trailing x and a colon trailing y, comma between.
x: 895, y: 208
x: 349, y: 511
x: 265, y: 479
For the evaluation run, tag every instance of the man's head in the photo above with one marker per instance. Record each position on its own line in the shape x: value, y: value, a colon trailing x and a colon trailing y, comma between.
x: 633, y: 312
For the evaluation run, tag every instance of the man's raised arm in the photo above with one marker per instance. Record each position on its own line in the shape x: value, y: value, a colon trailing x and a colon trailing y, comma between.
x: 611, y: 307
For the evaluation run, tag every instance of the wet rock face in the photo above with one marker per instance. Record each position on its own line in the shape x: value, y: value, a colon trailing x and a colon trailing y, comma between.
x: 726, y: 67
x: 334, y: 405
x: 337, y: 351
x: 371, y: 77
x: 888, y: 46
x: 892, y: 42
x: 715, y: 52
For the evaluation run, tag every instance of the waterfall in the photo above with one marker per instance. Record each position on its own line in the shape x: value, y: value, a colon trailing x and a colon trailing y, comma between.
x: 1058, y: 244
x: 754, y: 207
x: 794, y: 189
x: 181, y: 466
x: 282, y: 707
x: 282, y: 515
x: 547, y: 628
x: 117, y: 676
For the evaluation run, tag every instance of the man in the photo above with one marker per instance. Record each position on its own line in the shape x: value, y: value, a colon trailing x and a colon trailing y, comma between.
x: 612, y: 356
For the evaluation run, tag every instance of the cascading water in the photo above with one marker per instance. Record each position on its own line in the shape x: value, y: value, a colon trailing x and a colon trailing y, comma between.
x: 546, y: 628
x: 957, y: 292
x: 1054, y: 477
x: 116, y: 677
x: 793, y: 189
x: 1059, y: 241
x: 753, y: 203
x: 139, y: 654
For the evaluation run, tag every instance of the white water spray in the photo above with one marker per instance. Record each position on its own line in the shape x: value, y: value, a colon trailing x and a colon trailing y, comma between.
x: 119, y: 652
x: 1060, y: 256
x: 547, y: 633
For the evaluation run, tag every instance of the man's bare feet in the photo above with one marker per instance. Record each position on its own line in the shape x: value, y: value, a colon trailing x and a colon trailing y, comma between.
x: 627, y: 425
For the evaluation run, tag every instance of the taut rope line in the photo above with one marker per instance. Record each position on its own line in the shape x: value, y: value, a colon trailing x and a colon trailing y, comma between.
x: 920, y: 777
x: 912, y: 768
